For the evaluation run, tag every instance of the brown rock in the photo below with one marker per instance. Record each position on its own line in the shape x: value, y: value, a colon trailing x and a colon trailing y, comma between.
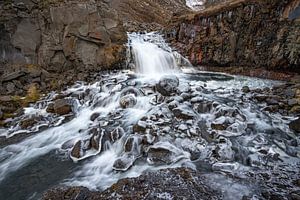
x: 76, y: 151
x: 62, y: 107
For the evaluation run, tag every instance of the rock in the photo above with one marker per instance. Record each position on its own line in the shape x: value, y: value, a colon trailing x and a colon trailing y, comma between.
x: 50, y: 108
x: 131, y: 90
x: 28, y: 123
x: 184, y: 112
x: 94, y: 116
x: 246, y: 89
x: 76, y: 151
x: 295, y: 125
x: 162, y: 153
x: 173, y: 184
x: 128, y: 101
x: 116, y: 134
x: 12, y: 76
x: 179, y: 183
x: 140, y: 127
x: 124, y: 163
x: 62, y: 107
x: 167, y: 85
x: 203, y: 107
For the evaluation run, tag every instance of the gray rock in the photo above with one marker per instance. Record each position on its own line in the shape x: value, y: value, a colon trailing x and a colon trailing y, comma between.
x: 167, y: 85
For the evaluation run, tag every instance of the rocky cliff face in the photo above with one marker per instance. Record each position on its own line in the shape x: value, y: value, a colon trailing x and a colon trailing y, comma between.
x: 61, y: 36
x: 241, y: 33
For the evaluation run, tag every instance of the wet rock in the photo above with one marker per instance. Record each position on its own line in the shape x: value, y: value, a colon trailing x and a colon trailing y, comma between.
x: 62, y: 107
x: 133, y: 145
x: 50, y: 108
x: 28, y: 123
x: 140, y: 127
x: 184, y: 112
x: 203, y: 107
x: 173, y: 184
x: 179, y: 183
x: 76, y: 151
x: 124, y: 163
x: 128, y: 101
x: 167, y: 85
x: 295, y: 125
x: 164, y: 153
x: 116, y: 134
x: 94, y: 116
x: 131, y: 90
x: 96, y: 140
x: 246, y: 89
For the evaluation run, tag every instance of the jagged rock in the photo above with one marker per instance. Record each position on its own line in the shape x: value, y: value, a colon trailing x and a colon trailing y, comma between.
x: 128, y: 101
x: 295, y: 125
x: 62, y: 107
x: 28, y: 123
x: 167, y: 85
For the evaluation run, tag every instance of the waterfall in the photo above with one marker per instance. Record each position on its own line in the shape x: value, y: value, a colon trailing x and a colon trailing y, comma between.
x: 151, y: 55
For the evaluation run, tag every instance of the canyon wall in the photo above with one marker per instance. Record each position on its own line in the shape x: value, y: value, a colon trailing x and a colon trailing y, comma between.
x: 255, y: 33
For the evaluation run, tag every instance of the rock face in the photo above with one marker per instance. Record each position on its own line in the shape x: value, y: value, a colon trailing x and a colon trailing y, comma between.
x: 180, y: 183
x: 88, y: 35
x: 241, y: 33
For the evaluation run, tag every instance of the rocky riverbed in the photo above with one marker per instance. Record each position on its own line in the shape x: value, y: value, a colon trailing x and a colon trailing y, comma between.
x: 231, y: 130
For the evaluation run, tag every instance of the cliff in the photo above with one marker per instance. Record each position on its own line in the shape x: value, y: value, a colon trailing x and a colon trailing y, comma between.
x: 255, y: 33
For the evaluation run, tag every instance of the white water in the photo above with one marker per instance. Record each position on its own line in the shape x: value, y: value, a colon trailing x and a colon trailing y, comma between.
x: 151, y: 55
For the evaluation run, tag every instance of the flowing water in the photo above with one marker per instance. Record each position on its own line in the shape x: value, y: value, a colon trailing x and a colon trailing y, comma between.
x: 122, y: 126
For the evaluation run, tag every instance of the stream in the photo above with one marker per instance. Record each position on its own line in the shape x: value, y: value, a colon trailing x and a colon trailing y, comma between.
x: 160, y: 113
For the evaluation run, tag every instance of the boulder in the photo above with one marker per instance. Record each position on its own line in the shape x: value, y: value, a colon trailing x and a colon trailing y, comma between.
x: 62, y: 107
x: 167, y: 85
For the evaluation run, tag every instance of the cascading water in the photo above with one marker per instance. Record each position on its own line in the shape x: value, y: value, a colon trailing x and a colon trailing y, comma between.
x: 122, y: 126
x: 151, y: 55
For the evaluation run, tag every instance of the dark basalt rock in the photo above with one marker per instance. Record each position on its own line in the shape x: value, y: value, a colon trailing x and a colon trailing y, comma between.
x: 167, y: 85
